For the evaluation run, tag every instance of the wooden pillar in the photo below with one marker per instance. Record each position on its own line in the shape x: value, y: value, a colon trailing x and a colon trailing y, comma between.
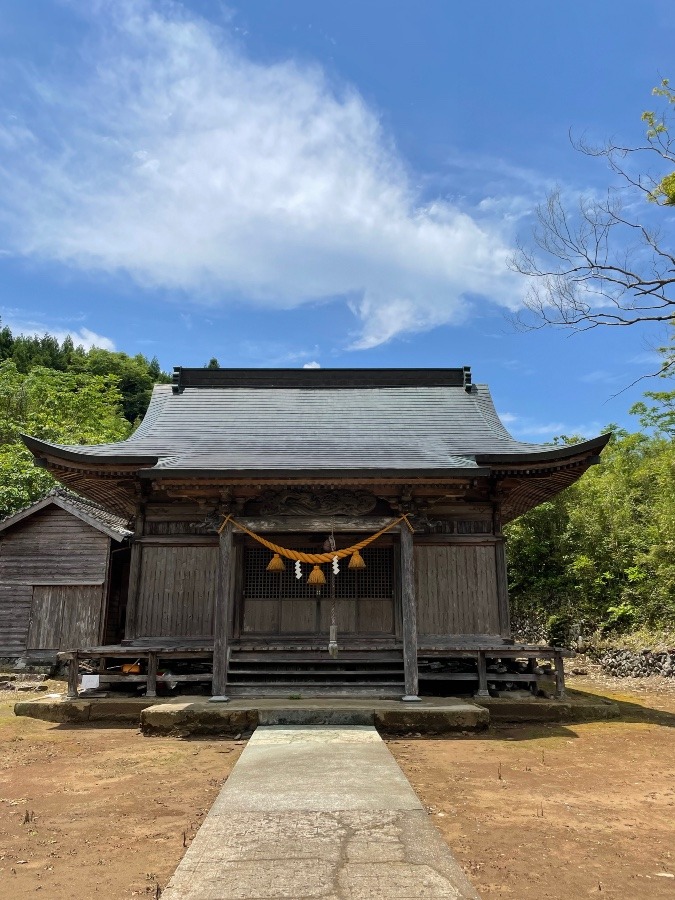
x: 222, y: 613
x: 130, y: 625
x: 409, y: 615
x: 73, y: 671
x: 502, y: 589
x: 131, y: 621
x: 482, y: 675
x: 151, y: 683
x: 500, y: 563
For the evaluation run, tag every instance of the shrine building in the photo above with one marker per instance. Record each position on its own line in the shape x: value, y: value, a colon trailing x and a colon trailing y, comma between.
x: 253, y: 496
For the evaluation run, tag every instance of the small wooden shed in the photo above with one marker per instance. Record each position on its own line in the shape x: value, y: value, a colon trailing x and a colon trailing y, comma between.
x: 64, y: 565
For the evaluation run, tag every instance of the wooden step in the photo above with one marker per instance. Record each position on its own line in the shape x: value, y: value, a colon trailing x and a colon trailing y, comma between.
x: 314, y: 656
x: 382, y: 691
x: 314, y: 671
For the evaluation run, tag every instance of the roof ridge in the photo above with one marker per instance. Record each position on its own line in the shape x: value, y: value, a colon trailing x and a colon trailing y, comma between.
x: 317, y: 379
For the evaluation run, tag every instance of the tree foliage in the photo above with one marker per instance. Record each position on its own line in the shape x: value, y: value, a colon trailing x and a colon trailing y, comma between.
x: 136, y: 375
x: 62, y: 407
x: 660, y: 415
x: 603, y: 551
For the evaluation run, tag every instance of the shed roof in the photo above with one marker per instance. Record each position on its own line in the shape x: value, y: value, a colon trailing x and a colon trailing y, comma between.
x: 115, y: 527
x: 377, y: 421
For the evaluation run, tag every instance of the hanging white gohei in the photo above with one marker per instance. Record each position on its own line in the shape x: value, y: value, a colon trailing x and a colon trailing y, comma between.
x: 298, y: 569
x: 336, y: 567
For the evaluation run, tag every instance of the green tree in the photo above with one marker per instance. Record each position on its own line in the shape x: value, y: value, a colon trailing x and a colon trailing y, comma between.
x: 662, y: 191
x: 136, y: 377
x: 604, y: 549
x: 136, y: 374
x: 61, y: 407
x: 660, y: 415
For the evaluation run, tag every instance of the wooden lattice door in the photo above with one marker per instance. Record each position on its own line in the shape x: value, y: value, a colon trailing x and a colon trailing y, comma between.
x: 279, y: 604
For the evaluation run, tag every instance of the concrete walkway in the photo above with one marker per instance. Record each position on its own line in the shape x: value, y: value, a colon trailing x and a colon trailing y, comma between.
x: 318, y: 812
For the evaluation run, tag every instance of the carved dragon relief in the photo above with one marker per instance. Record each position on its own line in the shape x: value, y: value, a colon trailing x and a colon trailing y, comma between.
x: 306, y: 501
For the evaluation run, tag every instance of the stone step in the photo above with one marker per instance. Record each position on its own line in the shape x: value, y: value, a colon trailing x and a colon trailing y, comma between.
x: 390, y: 715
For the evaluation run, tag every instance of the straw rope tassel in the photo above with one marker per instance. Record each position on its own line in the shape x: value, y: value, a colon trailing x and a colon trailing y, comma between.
x: 356, y: 562
x: 316, y: 576
x: 276, y: 564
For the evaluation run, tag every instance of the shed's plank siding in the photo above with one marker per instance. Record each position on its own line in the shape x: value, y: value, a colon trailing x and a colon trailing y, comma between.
x: 53, y: 547
x: 65, y: 617
x: 456, y: 589
x: 176, y: 591
x: 81, y: 615
x: 15, y: 600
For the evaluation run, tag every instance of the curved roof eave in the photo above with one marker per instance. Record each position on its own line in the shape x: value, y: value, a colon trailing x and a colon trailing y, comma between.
x: 373, y: 474
x: 43, y: 448
x: 566, y: 452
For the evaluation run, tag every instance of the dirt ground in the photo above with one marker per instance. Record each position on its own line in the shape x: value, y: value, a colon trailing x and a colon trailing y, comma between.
x: 88, y: 812
x: 560, y: 811
x: 554, y: 811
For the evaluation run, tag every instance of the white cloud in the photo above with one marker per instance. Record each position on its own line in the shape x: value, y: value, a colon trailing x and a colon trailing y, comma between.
x: 174, y: 157
x: 312, y: 365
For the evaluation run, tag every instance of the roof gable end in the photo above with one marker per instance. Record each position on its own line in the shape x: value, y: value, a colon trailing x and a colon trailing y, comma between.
x: 94, y: 518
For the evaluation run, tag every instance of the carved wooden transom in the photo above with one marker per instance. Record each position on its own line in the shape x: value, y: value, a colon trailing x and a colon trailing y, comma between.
x: 311, y: 501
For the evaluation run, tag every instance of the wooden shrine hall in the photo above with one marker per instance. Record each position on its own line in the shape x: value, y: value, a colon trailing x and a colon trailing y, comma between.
x: 329, y: 532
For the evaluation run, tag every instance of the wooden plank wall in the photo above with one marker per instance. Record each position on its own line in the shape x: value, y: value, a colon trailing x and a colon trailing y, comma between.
x: 52, y: 576
x: 65, y: 617
x: 176, y: 591
x: 456, y: 587
x: 15, y: 600
x: 53, y: 547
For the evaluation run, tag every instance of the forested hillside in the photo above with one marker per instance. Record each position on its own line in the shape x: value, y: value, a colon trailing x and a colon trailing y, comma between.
x: 135, y: 375
x: 66, y: 394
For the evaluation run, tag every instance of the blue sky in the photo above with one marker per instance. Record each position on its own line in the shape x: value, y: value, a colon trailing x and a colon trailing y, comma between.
x: 287, y: 183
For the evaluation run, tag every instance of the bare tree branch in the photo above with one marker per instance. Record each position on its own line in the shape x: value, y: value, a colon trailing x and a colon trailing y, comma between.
x: 599, y: 263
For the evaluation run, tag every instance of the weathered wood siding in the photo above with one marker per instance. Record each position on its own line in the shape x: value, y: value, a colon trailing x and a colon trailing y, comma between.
x: 176, y: 591
x: 15, y: 600
x: 456, y: 587
x: 53, y: 547
x: 65, y: 617
x: 53, y: 570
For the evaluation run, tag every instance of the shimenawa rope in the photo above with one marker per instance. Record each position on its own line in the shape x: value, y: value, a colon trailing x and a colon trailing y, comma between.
x: 314, y: 558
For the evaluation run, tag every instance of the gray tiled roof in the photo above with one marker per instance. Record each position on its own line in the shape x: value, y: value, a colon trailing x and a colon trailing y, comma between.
x: 95, y: 512
x: 406, y: 428
x: 116, y: 527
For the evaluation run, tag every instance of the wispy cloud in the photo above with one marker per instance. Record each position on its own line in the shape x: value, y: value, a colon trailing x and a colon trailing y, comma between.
x: 167, y: 153
x: 527, y: 429
x: 602, y: 376
x: 277, y: 353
